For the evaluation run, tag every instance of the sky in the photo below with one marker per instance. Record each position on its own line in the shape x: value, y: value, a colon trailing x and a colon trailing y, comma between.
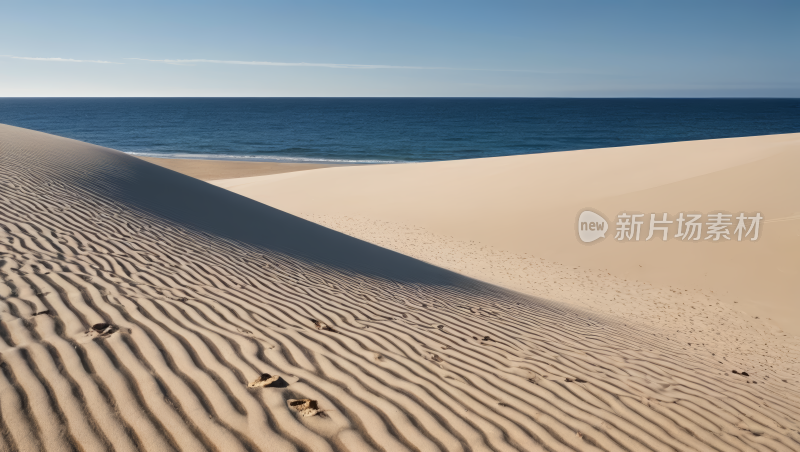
x: 406, y: 48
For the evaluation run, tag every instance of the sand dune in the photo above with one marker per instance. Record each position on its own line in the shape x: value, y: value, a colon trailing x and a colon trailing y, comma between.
x: 511, y: 221
x: 529, y: 204
x: 140, y: 309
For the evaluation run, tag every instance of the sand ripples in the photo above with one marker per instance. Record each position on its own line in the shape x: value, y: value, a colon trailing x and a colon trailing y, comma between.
x: 124, y: 329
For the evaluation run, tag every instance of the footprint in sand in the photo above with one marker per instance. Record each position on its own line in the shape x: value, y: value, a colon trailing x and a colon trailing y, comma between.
x: 306, y: 407
x: 576, y: 380
x: 322, y: 326
x: 102, y: 330
x: 267, y: 380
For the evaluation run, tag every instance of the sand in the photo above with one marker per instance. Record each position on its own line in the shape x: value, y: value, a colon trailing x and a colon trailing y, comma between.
x: 225, y: 169
x: 141, y: 309
x: 511, y: 221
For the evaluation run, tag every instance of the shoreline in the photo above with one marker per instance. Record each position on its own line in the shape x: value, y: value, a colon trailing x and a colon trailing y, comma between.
x: 208, y: 170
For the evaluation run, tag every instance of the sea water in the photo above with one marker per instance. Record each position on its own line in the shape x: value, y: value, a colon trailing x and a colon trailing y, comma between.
x: 377, y: 130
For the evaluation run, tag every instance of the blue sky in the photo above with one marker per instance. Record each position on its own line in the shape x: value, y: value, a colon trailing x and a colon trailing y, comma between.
x: 409, y: 48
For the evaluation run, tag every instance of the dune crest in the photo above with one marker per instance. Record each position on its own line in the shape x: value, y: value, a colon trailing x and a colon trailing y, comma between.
x: 137, y: 305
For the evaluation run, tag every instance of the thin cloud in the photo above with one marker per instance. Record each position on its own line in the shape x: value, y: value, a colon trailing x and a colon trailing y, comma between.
x: 191, y: 62
x: 275, y: 63
x: 60, y: 60
x: 337, y: 65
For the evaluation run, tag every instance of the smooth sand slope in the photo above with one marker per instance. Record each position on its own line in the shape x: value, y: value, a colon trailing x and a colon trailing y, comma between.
x: 525, y: 208
x: 141, y: 308
x: 224, y: 169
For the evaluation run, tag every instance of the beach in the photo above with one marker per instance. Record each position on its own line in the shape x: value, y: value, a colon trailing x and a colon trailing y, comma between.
x: 205, y: 169
x: 432, y: 306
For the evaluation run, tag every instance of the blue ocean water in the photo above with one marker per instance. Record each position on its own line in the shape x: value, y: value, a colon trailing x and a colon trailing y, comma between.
x: 371, y: 130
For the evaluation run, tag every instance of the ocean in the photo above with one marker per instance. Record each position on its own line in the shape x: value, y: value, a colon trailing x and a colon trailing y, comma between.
x: 379, y: 130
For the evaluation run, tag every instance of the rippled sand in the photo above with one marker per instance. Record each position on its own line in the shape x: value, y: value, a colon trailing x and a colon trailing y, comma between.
x: 141, y: 309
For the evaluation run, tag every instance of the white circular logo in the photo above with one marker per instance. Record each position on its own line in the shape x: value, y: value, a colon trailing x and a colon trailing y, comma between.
x: 591, y: 226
